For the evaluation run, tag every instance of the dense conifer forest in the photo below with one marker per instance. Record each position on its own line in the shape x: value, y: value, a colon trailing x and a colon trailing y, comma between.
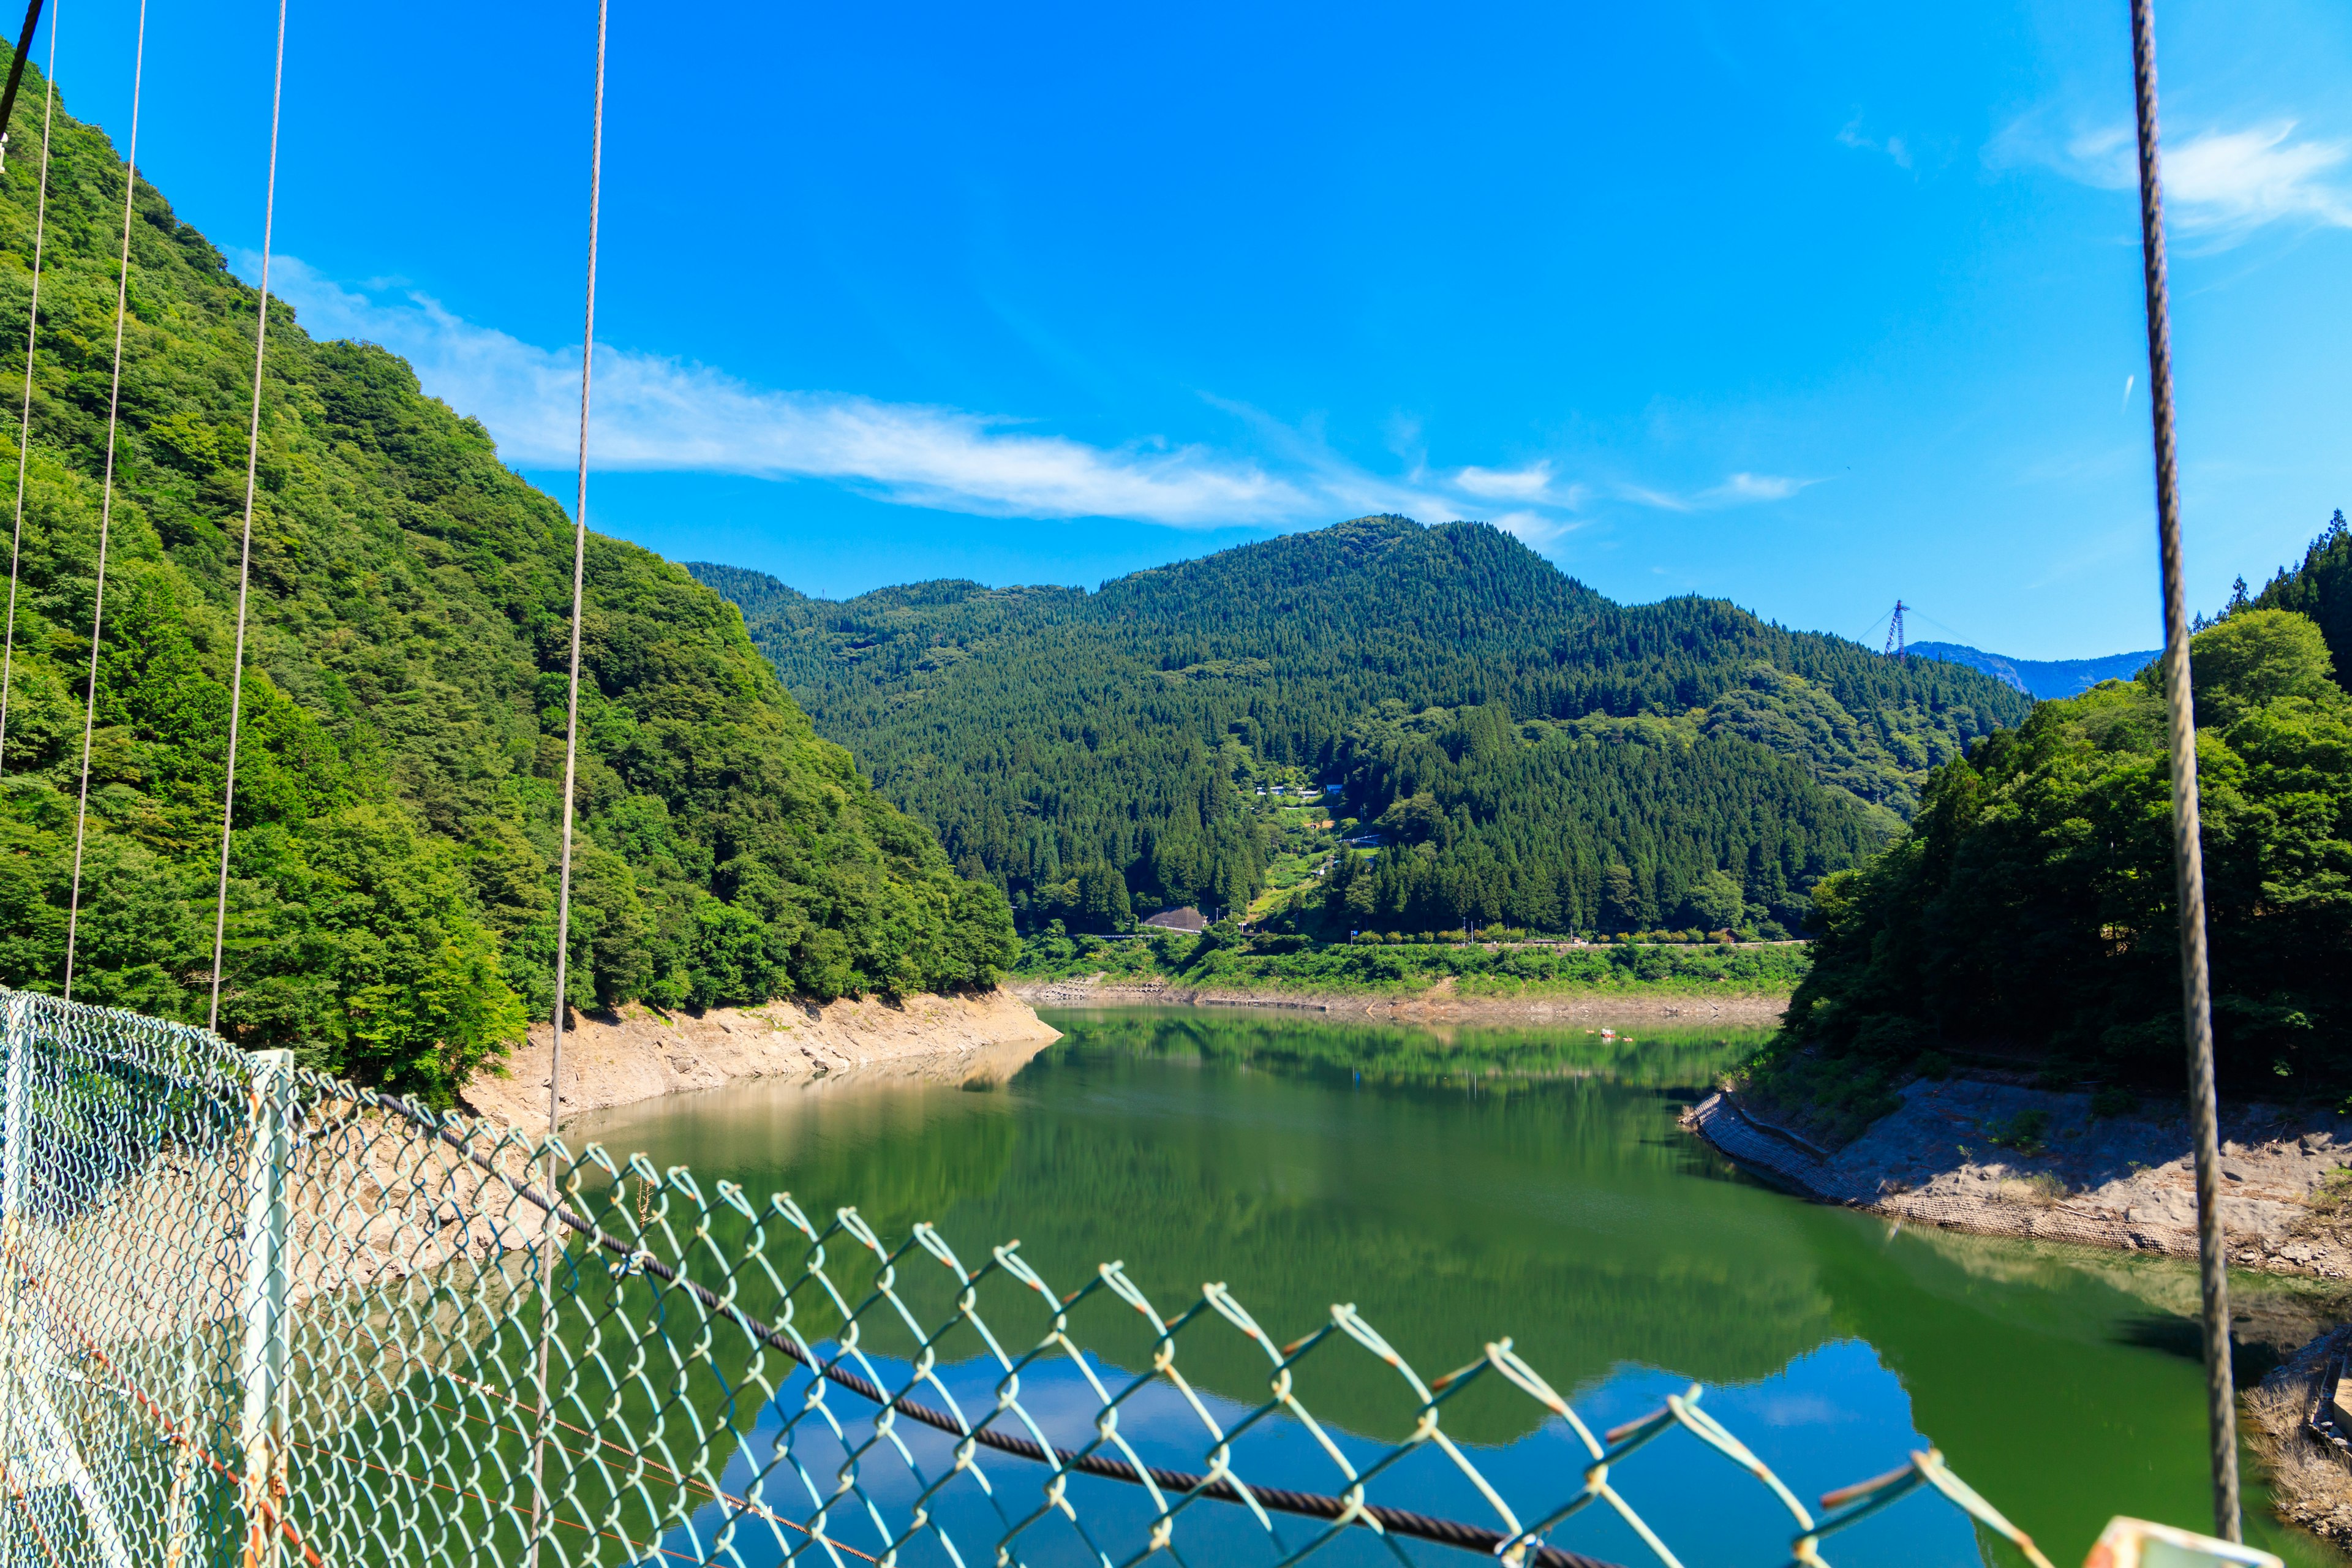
x: 1524, y: 750
x: 392, y: 896
x: 2028, y: 908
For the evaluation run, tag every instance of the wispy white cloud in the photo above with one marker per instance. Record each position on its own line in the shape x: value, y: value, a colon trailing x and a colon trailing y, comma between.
x: 657, y: 414
x: 2219, y: 186
x: 1737, y: 490
x: 1852, y: 134
x: 1528, y: 484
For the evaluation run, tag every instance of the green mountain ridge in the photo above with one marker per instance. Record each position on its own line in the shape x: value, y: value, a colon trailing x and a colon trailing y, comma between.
x: 392, y: 905
x: 1585, y: 764
x: 2029, y: 910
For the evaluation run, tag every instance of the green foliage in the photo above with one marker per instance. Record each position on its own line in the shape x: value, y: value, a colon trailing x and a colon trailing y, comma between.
x: 1594, y: 824
x: 1222, y: 957
x: 2029, y: 905
x: 2254, y: 657
x: 391, y: 902
x: 1043, y: 730
x: 2320, y: 588
x: 2027, y: 1132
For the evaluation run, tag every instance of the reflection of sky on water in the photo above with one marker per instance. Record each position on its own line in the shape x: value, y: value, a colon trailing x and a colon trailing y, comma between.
x: 1826, y: 1419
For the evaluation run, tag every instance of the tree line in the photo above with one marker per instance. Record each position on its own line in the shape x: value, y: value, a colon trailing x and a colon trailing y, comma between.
x: 391, y: 894
x: 2028, y: 908
x: 1056, y: 740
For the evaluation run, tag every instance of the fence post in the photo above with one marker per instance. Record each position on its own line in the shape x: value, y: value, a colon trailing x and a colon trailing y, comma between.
x: 38, y: 1435
x: 269, y: 1331
x: 12, y: 1130
x: 12, y: 1197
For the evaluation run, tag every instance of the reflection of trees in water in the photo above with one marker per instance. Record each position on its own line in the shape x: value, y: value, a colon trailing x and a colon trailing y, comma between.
x: 1562, y: 1215
x: 1434, y: 1251
x: 1565, y: 1213
x: 2278, y: 1313
x: 1660, y: 1054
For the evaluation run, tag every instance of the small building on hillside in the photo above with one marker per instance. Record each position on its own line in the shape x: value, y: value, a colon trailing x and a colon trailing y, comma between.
x: 1186, y: 918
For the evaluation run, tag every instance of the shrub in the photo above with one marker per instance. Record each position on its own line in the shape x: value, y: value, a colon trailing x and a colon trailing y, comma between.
x: 2025, y: 1132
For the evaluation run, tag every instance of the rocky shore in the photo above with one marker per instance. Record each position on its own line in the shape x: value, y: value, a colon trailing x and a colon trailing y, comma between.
x: 641, y: 1053
x: 2006, y: 1159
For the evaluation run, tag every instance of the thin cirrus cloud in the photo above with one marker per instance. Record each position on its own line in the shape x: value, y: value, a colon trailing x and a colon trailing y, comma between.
x: 2219, y: 187
x: 1739, y: 489
x: 657, y: 414
x: 1852, y: 134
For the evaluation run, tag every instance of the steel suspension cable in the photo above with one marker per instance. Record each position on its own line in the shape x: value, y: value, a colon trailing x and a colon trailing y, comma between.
x: 539, y: 1505
x: 106, y: 497
x: 32, y: 333
x: 2188, y: 853
x: 244, y: 555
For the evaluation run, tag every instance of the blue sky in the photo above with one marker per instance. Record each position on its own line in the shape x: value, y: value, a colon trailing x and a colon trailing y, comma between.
x: 1808, y: 307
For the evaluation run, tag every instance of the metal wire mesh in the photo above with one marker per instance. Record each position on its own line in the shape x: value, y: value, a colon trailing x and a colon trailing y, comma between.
x: 254, y: 1315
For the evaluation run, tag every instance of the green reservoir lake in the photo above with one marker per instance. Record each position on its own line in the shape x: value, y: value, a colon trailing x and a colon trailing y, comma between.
x: 1459, y: 1185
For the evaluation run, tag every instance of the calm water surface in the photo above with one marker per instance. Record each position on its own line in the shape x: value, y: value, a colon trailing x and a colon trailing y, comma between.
x: 1461, y: 1186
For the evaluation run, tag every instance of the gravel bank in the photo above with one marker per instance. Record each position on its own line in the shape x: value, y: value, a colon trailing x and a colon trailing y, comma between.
x: 2120, y: 1182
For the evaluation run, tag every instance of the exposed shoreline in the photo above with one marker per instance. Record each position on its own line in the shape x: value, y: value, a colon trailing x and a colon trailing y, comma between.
x: 1441, y: 1002
x: 2120, y: 1182
x: 639, y: 1054
x: 2310, y: 1481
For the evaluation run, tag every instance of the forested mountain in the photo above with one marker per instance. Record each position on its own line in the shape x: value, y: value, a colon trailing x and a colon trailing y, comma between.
x: 1529, y: 744
x: 393, y: 893
x: 2029, y: 905
x: 2043, y: 678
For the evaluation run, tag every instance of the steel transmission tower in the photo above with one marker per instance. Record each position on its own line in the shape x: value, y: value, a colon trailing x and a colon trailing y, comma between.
x: 1894, y: 635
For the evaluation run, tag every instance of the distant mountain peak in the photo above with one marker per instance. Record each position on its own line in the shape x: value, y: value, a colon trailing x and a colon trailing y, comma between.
x: 2045, y: 679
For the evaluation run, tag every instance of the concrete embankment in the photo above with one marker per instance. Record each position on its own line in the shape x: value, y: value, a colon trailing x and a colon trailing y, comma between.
x: 1441, y: 1002
x: 2121, y: 1182
x: 640, y: 1053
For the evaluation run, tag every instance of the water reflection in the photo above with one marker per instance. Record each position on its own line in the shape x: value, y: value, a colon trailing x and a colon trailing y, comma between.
x: 1463, y: 1186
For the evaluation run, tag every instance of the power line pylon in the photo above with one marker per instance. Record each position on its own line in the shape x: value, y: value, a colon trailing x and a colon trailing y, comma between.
x: 1894, y: 635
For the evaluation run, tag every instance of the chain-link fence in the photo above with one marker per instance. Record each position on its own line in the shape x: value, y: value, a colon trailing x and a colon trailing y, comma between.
x: 254, y: 1315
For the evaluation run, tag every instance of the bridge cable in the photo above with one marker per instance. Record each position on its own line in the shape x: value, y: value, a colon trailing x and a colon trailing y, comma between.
x: 32, y: 333
x: 106, y: 497
x: 245, y: 557
x: 2187, y: 853
x: 539, y: 1506
x: 16, y: 70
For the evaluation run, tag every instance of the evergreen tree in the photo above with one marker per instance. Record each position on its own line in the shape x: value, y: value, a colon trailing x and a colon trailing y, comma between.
x: 1038, y: 729
x: 391, y: 894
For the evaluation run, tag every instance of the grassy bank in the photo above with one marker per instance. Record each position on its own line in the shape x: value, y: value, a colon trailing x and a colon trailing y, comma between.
x: 1214, y: 960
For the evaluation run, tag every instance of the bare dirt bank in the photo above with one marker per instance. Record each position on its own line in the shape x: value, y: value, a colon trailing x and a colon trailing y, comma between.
x: 2310, y: 1480
x: 1439, y: 1004
x: 639, y: 1053
x: 2120, y: 1182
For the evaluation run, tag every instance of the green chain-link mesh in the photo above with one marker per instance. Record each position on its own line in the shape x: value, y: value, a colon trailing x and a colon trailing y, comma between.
x: 256, y: 1316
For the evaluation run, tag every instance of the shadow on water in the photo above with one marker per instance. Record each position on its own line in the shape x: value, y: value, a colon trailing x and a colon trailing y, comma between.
x: 1459, y: 1185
